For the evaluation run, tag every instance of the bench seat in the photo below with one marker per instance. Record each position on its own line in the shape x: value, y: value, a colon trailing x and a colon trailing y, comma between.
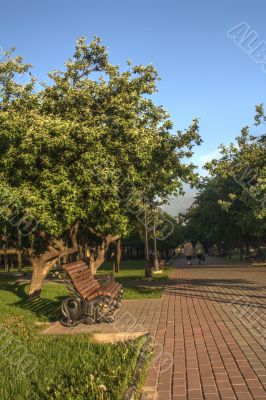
x: 90, y: 295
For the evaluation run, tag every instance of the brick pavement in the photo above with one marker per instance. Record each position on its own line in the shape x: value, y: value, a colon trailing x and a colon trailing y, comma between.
x: 210, y: 338
x: 134, y: 316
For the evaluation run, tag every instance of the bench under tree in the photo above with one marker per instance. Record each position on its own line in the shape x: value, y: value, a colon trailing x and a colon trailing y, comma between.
x: 91, y: 299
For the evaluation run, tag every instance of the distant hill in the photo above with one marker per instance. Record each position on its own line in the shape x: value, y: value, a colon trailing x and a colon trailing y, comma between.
x: 180, y: 204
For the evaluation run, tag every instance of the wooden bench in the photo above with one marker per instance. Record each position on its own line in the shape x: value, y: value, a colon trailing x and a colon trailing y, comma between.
x: 91, y: 300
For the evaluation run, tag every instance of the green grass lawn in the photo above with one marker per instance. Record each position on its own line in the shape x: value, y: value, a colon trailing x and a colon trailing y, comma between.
x: 63, y: 367
x: 133, y: 269
x: 132, y: 277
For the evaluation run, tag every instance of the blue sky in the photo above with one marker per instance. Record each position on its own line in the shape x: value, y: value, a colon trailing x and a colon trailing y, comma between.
x: 204, y: 73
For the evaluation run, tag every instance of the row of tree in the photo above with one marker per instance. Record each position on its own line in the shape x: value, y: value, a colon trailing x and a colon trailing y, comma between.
x: 82, y: 156
x: 230, y: 207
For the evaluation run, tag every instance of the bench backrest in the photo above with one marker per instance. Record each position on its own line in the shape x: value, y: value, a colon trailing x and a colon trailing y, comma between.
x: 81, y: 277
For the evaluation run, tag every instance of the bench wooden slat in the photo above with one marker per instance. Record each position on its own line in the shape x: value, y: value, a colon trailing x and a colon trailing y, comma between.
x: 70, y: 266
x: 86, y: 285
x: 89, y: 291
x: 89, y: 286
x: 107, y: 289
x: 113, y: 292
x: 83, y: 275
x: 110, y: 289
x: 79, y: 276
x: 118, y: 289
x: 93, y: 294
x: 77, y: 268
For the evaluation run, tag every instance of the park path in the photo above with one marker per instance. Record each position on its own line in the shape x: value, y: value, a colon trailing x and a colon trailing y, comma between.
x: 210, y: 340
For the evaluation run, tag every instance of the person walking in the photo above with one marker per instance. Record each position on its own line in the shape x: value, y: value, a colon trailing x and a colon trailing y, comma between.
x: 188, y: 251
x: 199, y: 251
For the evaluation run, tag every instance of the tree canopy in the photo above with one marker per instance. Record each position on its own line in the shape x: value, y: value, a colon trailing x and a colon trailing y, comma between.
x: 68, y: 150
x: 230, y: 205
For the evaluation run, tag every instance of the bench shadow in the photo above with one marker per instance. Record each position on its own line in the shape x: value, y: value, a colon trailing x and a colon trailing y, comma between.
x: 41, y: 307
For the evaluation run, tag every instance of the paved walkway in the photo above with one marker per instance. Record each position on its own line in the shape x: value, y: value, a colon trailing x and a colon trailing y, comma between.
x: 210, y: 341
x: 135, y: 316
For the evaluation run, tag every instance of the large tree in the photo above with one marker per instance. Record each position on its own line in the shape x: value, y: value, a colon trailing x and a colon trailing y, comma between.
x: 230, y: 205
x: 71, y: 148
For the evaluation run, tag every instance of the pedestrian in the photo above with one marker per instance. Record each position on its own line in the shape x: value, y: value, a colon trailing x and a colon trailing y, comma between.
x: 188, y: 251
x: 178, y: 251
x: 199, y: 251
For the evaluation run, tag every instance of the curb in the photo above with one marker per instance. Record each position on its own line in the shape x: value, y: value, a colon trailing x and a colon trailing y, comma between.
x: 130, y: 394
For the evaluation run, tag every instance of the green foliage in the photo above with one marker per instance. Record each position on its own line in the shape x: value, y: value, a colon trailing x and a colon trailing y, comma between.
x: 68, y: 150
x: 230, y: 205
x: 244, y: 163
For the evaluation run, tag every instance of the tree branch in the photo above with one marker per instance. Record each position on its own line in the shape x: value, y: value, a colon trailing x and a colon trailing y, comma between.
x: 94, y: 232
x: 9, y: 251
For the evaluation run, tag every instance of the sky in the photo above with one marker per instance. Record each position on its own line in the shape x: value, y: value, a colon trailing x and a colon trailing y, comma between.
x: 205, y: 71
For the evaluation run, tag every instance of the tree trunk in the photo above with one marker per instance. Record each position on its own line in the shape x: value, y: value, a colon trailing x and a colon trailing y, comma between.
x: 117, y: 256
x: 85, y: 251
x: 247, y: 248
x: 6, y: 258
x: 146, y: 244
x: 91, y: 257
x: 36, y: 279
x: 102, y: 249
x: 40, y: 270
x: 65, y: 257
x: 241, y: 246
x: 241, y: 252
x: 81, y: 256
x: 19, y: 251
x: 7, y: 253
x: 155, y: 260
x: 6, y: 263
x: 42, y: 264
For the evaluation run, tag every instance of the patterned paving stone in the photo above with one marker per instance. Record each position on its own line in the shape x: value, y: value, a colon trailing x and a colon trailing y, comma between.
x: 212, y: 332
x: 134, y: 316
